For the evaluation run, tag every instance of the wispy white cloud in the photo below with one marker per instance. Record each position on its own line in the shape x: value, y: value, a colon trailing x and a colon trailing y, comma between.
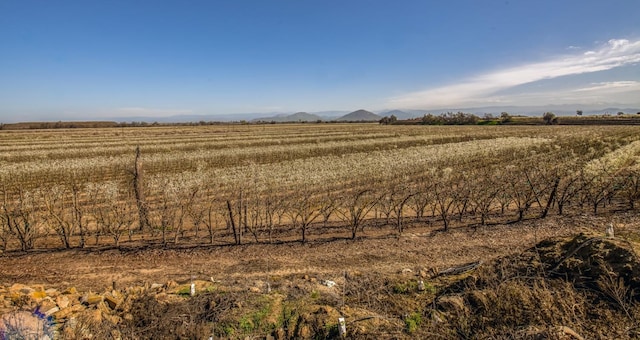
x: 483, y: 89
x: 614, y: 86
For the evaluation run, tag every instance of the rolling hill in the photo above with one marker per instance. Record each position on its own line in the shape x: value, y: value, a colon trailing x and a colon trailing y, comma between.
x: 359, y: 116
x: 296, y: 117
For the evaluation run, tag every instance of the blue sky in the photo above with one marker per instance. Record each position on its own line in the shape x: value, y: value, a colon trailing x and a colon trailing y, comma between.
x: 93, y: 59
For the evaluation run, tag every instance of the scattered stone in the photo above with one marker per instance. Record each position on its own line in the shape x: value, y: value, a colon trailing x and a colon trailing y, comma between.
x: 103, y: 308
x: 52, y: 311
x: 20, y: 288
x: 112, y: 300
x: 47, y: 305
x: 52, y: 292
x: 62, y: 301
x: 406, y: 271
x: 91, y: 299
x: 64, y: 313
x: 96, y: 315
x: 38, y: 295
x: 71, y: 290
x: 156, y: 286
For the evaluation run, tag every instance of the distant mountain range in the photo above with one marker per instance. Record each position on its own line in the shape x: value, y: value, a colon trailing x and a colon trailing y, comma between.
x: 355, y: 116
x: 359, y: 115
x: 365, y: 115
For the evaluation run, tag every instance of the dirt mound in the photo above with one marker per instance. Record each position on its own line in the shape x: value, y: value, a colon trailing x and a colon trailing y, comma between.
x: 593, y: 262
x: 561, y: 288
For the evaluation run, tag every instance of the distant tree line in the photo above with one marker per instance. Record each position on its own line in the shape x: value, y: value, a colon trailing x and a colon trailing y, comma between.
x: 547, y: 118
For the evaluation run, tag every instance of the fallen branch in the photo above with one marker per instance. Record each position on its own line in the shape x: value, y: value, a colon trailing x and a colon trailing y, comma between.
x: 461, y: 269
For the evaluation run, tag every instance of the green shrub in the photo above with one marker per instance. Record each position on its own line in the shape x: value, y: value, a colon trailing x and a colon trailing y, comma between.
x: 412, y: 322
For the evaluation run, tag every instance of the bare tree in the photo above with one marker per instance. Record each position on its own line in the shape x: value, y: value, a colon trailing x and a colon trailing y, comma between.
x: 444, y: 198
x: 631, y: 188
x: 57, y: 203
x: 462, y: 193
x: 19, y: 215
x: 78, y: 213
x: 355, y: 207
x: 484, y: 194
x: 569, y: 187
x: 267, y: 213
x: 400, y: 198
x: 304, y: 210
x: 113, y: 211
x: 328, y: 205
x: 163, y: 212
x: 233, y: 216
x: 520, y: 190
x: 5, y: 228
x: 212, y: 219
x: 423, y: 196
x: 598, y: 187
x: 186, y: 199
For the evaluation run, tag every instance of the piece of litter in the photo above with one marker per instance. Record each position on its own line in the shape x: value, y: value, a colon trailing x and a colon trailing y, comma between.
x: 328, y: 283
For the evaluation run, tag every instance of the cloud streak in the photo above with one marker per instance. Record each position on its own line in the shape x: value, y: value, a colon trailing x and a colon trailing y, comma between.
x: 483, y: 89
x: 613, y: 86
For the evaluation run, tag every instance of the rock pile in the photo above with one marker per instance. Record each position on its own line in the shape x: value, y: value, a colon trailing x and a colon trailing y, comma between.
x: 37, y: 312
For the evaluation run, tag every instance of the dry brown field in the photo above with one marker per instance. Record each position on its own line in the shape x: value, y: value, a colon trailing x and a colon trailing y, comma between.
x: 285, y: 228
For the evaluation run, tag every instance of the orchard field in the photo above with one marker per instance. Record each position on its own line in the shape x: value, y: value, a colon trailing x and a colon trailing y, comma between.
x: 266, y: 183
x: 291, y: 205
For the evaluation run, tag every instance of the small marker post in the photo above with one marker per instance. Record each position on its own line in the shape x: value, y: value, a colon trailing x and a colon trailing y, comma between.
x: 342, y: 327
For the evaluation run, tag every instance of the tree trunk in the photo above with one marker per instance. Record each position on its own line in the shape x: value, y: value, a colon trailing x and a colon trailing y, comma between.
x: 304, y: 234
x: 236, y: 236
x: 552, y: 196
x: 139, y: 192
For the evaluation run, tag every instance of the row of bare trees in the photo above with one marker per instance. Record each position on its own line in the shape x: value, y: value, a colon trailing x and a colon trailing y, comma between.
x: 466, y: 194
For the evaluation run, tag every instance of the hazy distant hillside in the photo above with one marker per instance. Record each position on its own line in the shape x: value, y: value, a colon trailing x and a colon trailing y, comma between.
x: 401, y: 114
x: 296, y: 117
x: 358, y: 116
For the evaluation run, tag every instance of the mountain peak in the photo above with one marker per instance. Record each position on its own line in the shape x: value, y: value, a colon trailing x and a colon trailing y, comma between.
x: 359, y: 115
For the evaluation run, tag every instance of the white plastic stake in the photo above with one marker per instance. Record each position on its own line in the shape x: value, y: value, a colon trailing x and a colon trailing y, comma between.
x: 342, y: 327
x: 609, y: 231
x: 193, y: 289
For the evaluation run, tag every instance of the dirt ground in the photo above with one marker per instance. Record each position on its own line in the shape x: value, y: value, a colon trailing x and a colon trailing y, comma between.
x: 554, y: 278
x: 419, y: 248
